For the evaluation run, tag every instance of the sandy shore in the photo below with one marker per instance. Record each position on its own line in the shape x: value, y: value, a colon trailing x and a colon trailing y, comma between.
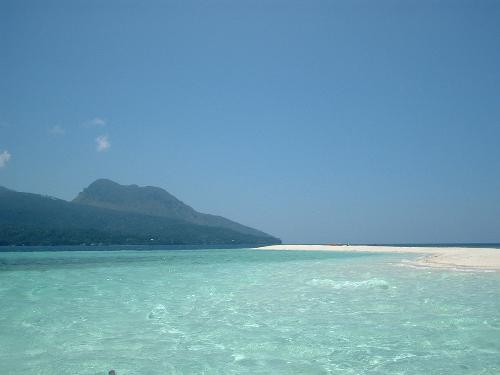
x: 466, y: 258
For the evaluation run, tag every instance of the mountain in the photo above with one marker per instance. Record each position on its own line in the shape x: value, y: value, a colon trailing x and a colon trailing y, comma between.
x: 32, y: 219
x: 153, y: 201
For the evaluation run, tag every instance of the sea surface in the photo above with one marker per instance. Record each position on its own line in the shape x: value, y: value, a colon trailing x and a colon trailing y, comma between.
x: 242, y: 311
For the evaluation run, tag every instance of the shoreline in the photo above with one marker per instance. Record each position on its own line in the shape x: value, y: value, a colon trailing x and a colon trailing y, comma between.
x: 461, y: 258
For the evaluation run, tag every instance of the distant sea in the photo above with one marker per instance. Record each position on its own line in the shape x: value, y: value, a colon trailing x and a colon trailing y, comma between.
x: 119, y: 248
x: 206, y: 247
x: 241, y: 311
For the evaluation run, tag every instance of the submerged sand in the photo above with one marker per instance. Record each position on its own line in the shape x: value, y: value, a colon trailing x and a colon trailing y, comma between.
x: 466, y: 258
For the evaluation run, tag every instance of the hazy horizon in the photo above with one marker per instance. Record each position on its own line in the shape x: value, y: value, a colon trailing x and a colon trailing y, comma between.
x: 315, y: 122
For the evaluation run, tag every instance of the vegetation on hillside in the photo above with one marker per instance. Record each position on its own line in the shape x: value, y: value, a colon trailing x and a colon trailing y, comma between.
x: 31, y: 219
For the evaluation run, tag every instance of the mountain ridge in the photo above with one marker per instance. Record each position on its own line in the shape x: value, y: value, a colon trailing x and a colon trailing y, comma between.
x: 33, y: 219
x: 154, y: 201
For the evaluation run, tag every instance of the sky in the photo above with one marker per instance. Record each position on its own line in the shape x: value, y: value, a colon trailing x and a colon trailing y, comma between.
x: 315, y: 121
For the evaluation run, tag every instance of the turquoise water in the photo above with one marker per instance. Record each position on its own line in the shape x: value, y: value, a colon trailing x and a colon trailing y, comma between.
x: 243, y: 312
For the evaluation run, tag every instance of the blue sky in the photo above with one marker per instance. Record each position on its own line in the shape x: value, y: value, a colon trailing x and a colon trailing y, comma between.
x: 316, y: 121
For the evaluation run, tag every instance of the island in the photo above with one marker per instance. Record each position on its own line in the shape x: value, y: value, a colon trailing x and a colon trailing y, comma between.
x: 109, y: 213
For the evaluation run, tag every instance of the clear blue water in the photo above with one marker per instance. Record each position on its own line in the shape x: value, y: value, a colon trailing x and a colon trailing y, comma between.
x: 243, y: 312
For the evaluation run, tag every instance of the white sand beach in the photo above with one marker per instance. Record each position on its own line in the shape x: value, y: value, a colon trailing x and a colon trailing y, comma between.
x: 466, y: 258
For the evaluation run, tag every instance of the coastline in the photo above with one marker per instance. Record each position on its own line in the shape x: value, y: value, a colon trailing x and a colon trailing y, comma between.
x: 461, y: 258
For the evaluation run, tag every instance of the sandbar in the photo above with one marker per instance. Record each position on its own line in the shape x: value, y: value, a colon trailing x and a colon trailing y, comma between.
x: 458, y: 258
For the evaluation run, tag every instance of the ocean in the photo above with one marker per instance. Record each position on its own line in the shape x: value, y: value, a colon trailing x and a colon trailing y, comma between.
x: 242, y: 311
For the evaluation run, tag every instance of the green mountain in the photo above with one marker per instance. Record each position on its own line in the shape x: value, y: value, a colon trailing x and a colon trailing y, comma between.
x: 32, y: 219
x: 153, y: 201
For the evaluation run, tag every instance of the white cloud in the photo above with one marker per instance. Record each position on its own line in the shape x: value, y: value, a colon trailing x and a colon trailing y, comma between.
x: 4, y: 158
x: 57, y: 130
x: 96, y: 122
x: 102, y: 143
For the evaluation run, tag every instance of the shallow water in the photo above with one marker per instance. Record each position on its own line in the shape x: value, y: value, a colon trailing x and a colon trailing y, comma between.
x: 243, y: 311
